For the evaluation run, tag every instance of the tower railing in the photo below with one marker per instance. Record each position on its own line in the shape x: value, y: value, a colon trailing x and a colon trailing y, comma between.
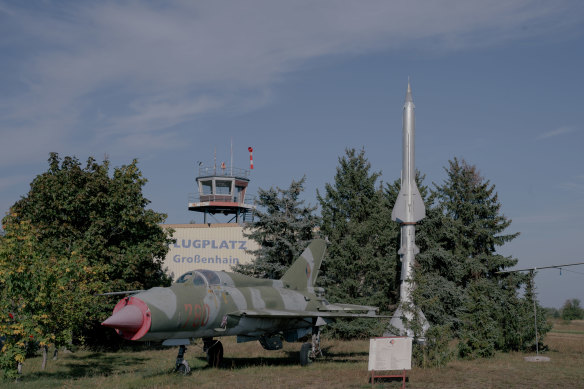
x: 201, y: 198
x: 227, y: 171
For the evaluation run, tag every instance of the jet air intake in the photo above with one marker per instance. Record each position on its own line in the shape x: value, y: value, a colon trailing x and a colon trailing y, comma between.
x: 131, y: 318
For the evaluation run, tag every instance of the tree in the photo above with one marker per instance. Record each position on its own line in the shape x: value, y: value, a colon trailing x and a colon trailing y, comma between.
x: 283, y: 228
x: 360, y: 263
x: 37, y: 291
x: 86, y: 232
x: 457, y: 280
x: 571, y: 310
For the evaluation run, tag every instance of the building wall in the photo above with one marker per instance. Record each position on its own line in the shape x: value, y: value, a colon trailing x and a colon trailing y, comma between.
x: 207, y: 246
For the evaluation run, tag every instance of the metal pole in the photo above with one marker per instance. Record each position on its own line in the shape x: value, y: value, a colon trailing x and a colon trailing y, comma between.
x: 534, y: 311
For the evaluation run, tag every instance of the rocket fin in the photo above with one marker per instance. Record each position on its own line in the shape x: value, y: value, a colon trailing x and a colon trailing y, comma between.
x: 404, y: 212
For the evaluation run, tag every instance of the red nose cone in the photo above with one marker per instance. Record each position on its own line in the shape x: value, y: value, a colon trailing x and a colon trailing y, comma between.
x: 129, y: 318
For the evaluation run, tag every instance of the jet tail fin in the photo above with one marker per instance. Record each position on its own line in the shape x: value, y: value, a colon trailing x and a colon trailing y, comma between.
x: 303, y: 272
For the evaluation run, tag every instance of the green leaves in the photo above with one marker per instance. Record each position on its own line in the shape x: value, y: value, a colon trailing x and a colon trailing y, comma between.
x: 76, y: 233
x: 571, y: 310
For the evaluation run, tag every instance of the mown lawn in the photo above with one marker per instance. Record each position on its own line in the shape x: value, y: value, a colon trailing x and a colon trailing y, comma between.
x: 345, y: 366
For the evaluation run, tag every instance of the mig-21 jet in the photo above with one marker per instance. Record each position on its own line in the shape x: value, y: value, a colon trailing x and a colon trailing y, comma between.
x: 210, y: 304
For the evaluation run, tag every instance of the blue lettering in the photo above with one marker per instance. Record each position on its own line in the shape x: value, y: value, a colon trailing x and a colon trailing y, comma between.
x: 185, y: 245
x: 196, y: 244
x: 206, y: 243
x: 188, y: 259
x: 197, y: 258
x: 213, y: 245
x: 233, y: 242
x: 242, y: 244
x: 204, y: 260
x: 176, y: 246
x: 234, y: 260
x: 176, y: 258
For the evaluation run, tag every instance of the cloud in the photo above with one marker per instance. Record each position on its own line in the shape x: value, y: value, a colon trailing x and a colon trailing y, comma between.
x: 556, y: 132
x: 576, y: 185
x: 81, y: 74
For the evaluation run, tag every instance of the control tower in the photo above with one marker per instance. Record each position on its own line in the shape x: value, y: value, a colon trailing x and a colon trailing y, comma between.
x: 222, y: 190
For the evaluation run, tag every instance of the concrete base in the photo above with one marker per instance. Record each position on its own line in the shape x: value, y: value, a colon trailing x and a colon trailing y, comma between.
x: 538, y: 358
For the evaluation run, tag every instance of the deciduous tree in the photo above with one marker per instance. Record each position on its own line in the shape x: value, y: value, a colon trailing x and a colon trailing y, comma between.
x: 571, y: 310
x: 85, y: 232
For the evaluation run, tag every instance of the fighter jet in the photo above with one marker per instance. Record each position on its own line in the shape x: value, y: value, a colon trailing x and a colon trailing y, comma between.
x: 210, y: 304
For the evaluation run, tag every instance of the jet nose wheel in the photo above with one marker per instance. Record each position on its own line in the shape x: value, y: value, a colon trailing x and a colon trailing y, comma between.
x: 183, y: 368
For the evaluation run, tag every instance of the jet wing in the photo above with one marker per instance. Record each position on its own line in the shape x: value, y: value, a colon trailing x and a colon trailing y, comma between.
x: 330, y: 313
x: 119, y: 293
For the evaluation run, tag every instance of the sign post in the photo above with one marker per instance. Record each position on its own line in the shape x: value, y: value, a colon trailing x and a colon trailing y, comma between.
x: 390, y: 353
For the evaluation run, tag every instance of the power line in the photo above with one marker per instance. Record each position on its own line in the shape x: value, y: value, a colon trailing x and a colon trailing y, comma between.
x: 543, y: 267
x: 572, y: 271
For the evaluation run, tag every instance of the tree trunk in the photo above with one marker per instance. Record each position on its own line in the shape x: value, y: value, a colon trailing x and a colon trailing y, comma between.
x: 56, y: 353
x: 45, y: 352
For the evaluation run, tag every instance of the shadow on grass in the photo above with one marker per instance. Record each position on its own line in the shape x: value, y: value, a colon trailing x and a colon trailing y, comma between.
x: 292, y: 358
x: 342, y: 356
x: 94, y: 364
x: 106, y: 364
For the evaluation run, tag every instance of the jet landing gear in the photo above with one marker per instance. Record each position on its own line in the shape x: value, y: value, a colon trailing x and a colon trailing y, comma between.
x: 214, y: 350
x: 310, y: 351
x: 182, y: 366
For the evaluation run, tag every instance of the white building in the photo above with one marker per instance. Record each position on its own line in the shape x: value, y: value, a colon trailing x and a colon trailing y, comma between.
x: 207, y: 246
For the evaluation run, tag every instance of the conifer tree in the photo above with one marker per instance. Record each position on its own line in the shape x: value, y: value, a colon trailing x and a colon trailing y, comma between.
x: 283, y: 228
x: 359, y: 266
x: 458, y: 283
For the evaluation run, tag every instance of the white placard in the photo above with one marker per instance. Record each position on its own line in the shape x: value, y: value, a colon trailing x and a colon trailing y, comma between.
x: 393, y: 353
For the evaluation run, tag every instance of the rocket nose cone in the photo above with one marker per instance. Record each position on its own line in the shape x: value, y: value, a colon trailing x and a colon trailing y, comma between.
x: 129, y: 317
x: 409, y: 93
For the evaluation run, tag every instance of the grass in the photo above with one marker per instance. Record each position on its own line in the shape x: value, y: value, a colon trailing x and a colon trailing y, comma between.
x: 345, y: 366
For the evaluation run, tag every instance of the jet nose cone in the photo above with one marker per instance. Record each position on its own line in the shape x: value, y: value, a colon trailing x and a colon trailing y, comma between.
x: 129, y: 317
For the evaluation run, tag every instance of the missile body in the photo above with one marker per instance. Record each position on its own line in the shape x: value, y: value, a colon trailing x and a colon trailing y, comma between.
x: 408, y: 209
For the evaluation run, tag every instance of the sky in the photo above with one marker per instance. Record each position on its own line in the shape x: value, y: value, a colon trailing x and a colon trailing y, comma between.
x: 499, y: 84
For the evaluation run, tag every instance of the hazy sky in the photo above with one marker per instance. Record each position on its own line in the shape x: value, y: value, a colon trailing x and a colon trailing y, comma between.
x: 498, y: 83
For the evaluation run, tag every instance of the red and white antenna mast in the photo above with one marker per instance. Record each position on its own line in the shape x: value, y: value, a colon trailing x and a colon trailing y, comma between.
x: 250, y: 149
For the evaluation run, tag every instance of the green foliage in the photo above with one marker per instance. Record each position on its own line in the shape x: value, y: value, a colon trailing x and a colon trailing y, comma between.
x: 457, y: 277
x: 283, y: 228
x: 480, y: 331
x: 360, y: 263
x: 552, y: 312
x: 16, y: 323
x: 76, y: 233
x: 437, y: 350
x: 571, y: 310
x: 37, y: 291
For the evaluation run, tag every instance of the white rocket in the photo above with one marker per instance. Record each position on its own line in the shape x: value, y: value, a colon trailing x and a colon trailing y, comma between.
x: 408, y: 209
